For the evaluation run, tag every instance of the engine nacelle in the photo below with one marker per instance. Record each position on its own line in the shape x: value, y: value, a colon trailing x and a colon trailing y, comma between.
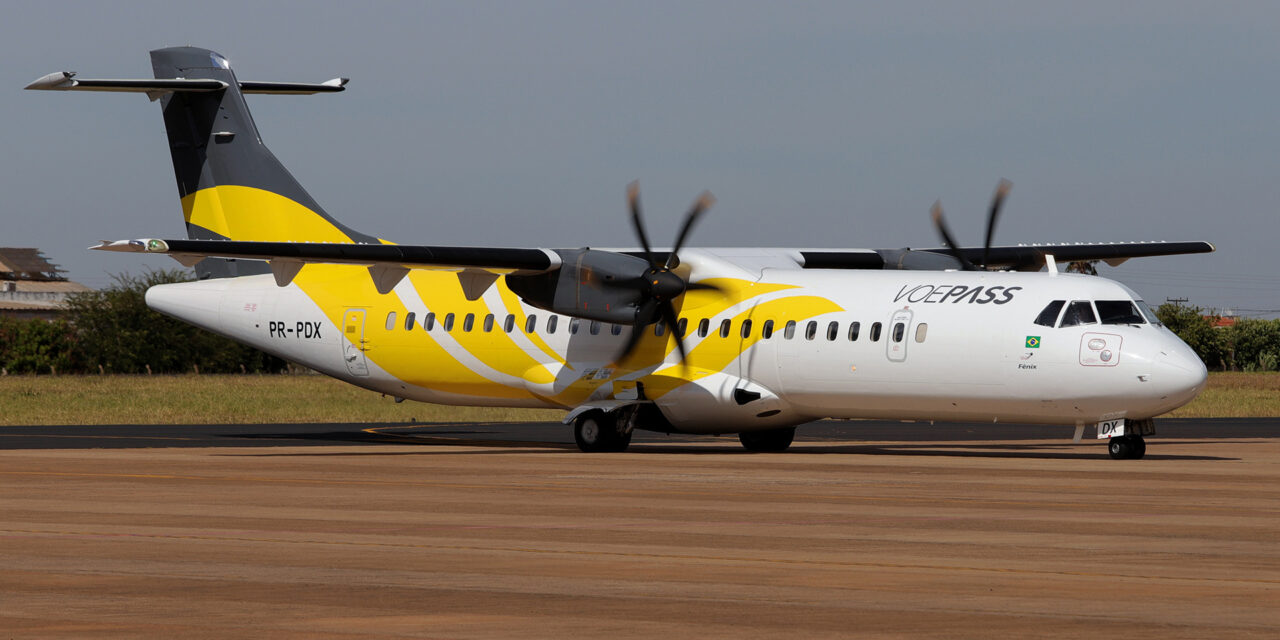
x: 596, y: 285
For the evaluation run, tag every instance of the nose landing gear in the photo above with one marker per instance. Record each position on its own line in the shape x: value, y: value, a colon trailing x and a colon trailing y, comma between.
x: 1127, y: 447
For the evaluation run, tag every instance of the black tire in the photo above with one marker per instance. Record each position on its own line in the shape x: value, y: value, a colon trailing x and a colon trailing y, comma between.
x: 770, y: 441
x: 597, y: 432
x: 1139, y: 448
x: 1119, y: 448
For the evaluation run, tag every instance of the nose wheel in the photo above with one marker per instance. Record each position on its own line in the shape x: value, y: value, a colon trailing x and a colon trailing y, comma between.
x: 1127, y: 447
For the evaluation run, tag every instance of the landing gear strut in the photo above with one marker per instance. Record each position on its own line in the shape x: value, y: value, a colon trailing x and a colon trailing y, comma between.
x: 1127, y: 447
x: 597, y: 431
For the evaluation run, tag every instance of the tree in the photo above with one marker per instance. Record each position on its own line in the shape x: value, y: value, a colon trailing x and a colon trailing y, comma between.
x: 37, y: 346
x: 116, y: 330
x: 1255, y: 344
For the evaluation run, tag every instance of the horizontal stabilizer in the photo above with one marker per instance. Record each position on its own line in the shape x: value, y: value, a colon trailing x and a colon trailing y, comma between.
x: 156, y: 87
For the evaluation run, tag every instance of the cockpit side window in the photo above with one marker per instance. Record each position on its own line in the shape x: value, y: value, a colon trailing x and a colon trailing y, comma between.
x: 1049, y: 315
x: 1118, y: 312
x: 1150, y: 315
x: 1078, y: 312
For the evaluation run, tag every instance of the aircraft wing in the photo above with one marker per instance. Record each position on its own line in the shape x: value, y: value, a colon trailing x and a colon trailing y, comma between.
x: 1024, y: 257
x: 387, y: 263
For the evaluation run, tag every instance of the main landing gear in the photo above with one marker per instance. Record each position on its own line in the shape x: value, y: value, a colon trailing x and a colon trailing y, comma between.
x: 1127, y: 447
x: 597, y: 431
x: 770, y: 441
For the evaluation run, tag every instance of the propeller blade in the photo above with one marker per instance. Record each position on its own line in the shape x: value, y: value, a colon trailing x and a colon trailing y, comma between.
x: 700, y: 205
x: 644, y: 318
x: 673, y: 323
x: 941, y: 224
x: 633, y: 200
x: 997, y: 201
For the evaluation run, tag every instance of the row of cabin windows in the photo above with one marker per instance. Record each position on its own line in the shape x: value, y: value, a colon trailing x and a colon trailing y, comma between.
x: 704, y: 327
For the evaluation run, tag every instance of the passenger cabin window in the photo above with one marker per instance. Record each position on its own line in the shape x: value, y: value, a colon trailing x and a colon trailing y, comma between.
x: 448, y: 322
x: 488, y: 323
x: 853, y: 331
x: 552, y: 321
x: 921, y: 330
x: 509, y: 324
x: 811, y: 330
x: 574, y: 323
x: 429, y: 322
x: 595, y: 327
x: 789, y: 331
x: 875, y: 332
x: 899, y: 331
x: 746, y: 329
x: 766, y: 331
x: 833, y: 331
x: 682, y: 327
x: 1118, y: 312
x: 408, y: 322
x: 391, y: 320
x: 659, y: 328
x: 615, y: 329
x: 468, y: 322
x: 531, y: 323
x: 704, y: 326
x: 1077, y: 313
x: 725, y: 326
x: 1049, y: 315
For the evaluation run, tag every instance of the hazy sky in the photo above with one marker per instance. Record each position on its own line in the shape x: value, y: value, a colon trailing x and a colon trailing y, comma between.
x: 814, y: 124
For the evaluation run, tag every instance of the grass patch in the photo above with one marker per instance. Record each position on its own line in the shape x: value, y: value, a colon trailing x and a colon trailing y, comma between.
x: 222, y: 399
x: 230, y: 399
x: 1232, y: 394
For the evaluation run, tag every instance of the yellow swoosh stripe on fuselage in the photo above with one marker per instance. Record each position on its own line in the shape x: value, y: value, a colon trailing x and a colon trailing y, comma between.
x: 403, y: 354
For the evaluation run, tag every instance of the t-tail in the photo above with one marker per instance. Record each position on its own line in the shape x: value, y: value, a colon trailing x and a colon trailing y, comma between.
x: 232, y: 187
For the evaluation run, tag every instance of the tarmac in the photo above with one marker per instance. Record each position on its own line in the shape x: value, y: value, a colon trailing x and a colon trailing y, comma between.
x: 863, y: 529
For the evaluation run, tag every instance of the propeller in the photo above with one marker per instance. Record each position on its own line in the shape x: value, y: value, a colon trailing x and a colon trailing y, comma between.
x: 997, y: 202
x: 659, y: 285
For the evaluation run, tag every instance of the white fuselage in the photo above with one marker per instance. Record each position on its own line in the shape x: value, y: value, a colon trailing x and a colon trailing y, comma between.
x: 930, y: 345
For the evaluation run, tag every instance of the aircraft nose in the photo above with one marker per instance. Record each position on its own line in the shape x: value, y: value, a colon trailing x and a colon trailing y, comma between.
x: 1180, y: 372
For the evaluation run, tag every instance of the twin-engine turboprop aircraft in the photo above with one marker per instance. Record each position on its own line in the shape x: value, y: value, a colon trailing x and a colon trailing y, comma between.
x: 749, y: 341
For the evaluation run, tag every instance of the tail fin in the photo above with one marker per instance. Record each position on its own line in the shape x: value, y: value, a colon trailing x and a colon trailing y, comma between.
x: 231, y: 185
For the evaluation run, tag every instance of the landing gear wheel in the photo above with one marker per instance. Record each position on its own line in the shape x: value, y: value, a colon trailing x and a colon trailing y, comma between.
x: 597, y: 431
x: 773, y: 440
x: 1127, y: 448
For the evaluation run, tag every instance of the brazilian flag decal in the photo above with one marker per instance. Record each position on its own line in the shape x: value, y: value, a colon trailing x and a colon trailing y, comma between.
x: 1033, y: 342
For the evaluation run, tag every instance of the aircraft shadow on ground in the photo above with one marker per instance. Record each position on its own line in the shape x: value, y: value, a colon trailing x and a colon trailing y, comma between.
x: 457, y: 440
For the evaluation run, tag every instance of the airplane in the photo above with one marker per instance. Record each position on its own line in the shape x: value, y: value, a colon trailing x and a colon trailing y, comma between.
x: 752, y: 341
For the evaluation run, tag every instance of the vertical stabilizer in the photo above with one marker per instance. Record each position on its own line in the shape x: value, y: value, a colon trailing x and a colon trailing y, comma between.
x: 232, y: 186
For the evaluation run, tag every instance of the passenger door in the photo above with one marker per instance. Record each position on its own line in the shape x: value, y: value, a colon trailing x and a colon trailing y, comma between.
x: 896, y: 344
x: 354, y: 344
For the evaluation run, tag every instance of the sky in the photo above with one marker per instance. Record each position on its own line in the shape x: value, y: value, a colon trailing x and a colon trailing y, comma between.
x: 814, y: 124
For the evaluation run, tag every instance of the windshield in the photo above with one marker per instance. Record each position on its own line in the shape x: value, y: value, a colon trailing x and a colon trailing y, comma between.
x: 1118, y: 312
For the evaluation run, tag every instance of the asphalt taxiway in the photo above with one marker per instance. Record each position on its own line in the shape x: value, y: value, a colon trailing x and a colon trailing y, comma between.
x: 869, y: 529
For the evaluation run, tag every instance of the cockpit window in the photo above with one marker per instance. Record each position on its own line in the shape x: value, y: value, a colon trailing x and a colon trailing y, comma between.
x: 1050, y: 313
x: 1150, y: 315
x: 1119, y: 312
x: 1078, y: 312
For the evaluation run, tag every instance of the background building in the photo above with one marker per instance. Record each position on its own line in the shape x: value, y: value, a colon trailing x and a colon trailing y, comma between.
x: 31, y: 286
